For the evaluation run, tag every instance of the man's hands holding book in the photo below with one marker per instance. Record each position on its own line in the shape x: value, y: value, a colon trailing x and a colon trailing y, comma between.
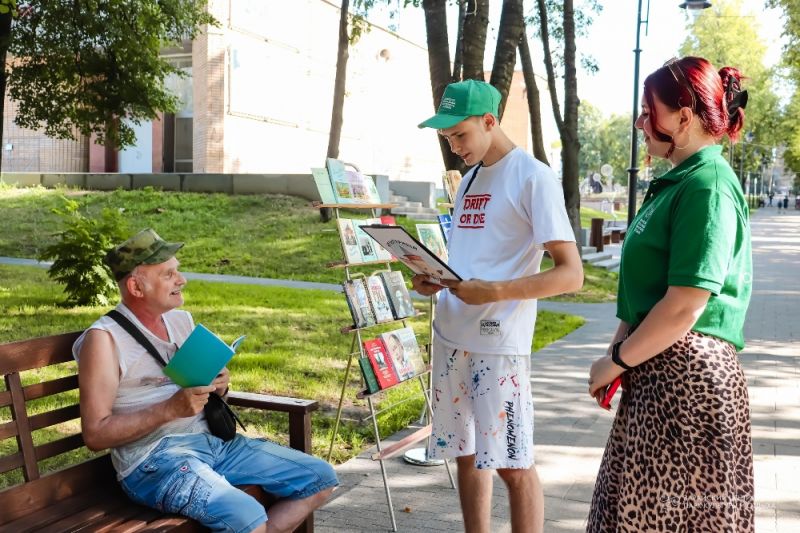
x: 472, y: 292
x: 189, y: 401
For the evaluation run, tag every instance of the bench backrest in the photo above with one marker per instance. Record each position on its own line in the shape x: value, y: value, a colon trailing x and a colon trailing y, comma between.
x: 40, y: 489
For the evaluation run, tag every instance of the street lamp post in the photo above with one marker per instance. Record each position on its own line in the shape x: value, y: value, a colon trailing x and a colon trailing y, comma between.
x: 633, y: 171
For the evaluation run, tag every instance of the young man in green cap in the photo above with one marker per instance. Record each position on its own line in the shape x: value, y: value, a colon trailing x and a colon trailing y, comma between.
x: 509, y: 209
x: 161, y: 447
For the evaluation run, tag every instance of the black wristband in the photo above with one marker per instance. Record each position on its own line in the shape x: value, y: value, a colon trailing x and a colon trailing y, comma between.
x: 616, y: 358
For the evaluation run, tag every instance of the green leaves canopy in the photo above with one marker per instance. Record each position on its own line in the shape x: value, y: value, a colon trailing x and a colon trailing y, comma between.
x: 79, y: 66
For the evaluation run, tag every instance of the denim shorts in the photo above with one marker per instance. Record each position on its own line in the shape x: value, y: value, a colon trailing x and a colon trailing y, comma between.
x: 193, y: 475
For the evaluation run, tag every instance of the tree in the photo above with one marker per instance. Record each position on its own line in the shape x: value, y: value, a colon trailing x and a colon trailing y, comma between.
x: 532, y: 96
x: 568, y: 122
x: 76, y: 69
x: 727, y: 38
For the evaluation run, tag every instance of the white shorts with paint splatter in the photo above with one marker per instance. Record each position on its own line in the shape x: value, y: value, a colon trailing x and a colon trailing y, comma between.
x: 482, y: 405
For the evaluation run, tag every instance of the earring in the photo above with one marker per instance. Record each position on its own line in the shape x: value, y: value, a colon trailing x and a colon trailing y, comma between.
x: 688, y: 142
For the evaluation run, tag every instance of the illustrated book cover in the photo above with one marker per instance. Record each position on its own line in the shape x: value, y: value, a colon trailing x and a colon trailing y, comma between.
x: 339, y: 181
x: 401, y: 344
x: 358, y: 301
x: 200, y: 358
x: 411, y: 252
x: 369, y: 375
x: 347, y: 233
x: 324, y: 187
x: 367, y: 246
x: 381, y: 363
x: 380, y: 300
x: 446, y: 223
x: 432, y: 237
x: 399, y: 298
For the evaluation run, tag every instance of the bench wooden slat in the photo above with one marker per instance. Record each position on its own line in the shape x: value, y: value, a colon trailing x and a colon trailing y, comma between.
x: 56, y: 512
x: 272, y: 403
x: 86, y: 519
x: 9, y: 429
x: 48, y: 388
x: 37, y: 353
x: 10, y: 462
x: 56, y: 416
x: 5, y: 398
x: 59, y: 446
x: 34, y: 496
x: 115, y: 521
x: 30, y: 470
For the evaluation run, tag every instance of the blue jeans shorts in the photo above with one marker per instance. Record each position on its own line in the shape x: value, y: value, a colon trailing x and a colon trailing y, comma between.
x: 193, y: 475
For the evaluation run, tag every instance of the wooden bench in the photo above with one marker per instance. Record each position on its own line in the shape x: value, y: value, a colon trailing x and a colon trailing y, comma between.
x: 606, y: 232
x: 87, y: 496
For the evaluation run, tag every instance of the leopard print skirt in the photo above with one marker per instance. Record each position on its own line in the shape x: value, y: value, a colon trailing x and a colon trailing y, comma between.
x: 679, y: 457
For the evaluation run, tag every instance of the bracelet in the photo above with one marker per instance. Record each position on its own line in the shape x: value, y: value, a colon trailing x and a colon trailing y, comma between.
x: 616, y: 358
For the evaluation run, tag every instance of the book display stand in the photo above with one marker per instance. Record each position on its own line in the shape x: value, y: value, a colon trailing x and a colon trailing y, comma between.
x: 358, y: 351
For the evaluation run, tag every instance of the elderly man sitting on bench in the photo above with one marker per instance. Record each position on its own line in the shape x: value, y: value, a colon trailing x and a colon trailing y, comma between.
x: 161, y: 447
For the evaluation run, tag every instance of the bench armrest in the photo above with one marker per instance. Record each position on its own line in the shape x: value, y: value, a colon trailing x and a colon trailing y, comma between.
x: 299, y: 411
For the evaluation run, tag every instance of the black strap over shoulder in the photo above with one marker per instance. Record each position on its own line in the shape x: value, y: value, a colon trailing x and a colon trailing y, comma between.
x: 136, y: 333
x: 469, y: 183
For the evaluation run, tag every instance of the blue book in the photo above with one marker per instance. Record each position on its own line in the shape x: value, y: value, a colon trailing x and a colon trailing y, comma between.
x: 200, y: 358
x: 446, y: 222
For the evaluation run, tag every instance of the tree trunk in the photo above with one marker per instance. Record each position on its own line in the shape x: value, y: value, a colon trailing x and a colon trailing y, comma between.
x: 439, y: 65
x: 337, y: 110
x: 569, y: 139
x: 5, y: 37
x: 475, y: 24
x: 534, y: 104
x: 458, y: 60
x: 512, y: 25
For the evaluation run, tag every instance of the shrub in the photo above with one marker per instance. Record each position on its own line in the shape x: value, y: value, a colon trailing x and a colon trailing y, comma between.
x: 78, y: 254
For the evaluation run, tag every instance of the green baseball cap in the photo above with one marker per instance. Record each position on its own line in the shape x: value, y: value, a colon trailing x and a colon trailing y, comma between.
x: 144, y: 248
x: 463, y: 100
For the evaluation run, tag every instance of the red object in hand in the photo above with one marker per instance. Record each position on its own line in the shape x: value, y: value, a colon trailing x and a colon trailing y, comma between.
x: 610, y: 390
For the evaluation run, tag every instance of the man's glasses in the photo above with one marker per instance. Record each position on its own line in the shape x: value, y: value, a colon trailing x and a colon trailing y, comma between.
x: 675, y: 69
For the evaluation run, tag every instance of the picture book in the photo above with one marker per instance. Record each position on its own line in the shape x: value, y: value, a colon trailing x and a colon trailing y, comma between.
x: 389, y: 220
x: 431, y: 236
x: 365, y: 243
x: 381, y: 363
x: 339, y: 181
x: 401, y: 344
x: 358, y: 301
x: 446, y: 223
x: 399, y: 298
x: 358, y: 186
x: 380, y: 300
x: 200, y: 358
x: 381, y: 252
x: 369, y: 375
x: 324, y: 187
x: 411, y: 252
x: 347, y: 233
x: 451, y: 179
x: 372, y: 191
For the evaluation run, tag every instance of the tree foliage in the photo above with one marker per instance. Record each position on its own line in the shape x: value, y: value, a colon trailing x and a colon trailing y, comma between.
x: 81, y: 66
x: 727, y: 36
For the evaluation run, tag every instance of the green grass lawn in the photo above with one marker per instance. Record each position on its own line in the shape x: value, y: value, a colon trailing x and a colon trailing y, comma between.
x: 294, y: 348
x: 271, y: 236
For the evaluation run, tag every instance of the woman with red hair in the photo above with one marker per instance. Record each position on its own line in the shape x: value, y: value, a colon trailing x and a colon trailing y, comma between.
x: 679, y: 456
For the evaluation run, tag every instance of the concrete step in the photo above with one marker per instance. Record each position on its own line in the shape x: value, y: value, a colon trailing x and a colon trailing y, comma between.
x: 615, y: 269
x: 397, y: 199
x: 595, y: 257
x: 588, y: 250
x: 608, y: 264
x: 409, y: 204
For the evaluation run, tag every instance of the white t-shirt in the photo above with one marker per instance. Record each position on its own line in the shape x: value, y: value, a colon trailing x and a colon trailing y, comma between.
x: 511, y: 210
x: 142, y: 382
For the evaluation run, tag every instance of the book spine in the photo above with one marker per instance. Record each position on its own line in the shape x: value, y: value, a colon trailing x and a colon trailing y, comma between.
x: 369, y: 375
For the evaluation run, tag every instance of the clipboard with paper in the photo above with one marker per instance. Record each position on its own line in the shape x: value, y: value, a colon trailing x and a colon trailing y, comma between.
x: 411, y: 252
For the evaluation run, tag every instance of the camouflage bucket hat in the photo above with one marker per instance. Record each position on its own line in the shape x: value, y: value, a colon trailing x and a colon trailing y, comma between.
x: 144, y: 248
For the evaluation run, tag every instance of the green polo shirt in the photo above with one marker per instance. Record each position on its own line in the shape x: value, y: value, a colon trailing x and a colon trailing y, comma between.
x: 693, y: 230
